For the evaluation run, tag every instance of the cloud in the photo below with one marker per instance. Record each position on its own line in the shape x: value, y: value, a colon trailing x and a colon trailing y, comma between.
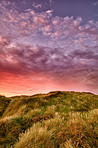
x: 57, y: 47
x: 95, y: 3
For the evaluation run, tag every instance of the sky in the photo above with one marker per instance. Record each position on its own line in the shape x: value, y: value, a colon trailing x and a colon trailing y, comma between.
x: 48, y: 45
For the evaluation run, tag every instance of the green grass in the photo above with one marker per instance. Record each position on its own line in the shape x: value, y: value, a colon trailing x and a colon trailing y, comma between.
x: 54, y: 120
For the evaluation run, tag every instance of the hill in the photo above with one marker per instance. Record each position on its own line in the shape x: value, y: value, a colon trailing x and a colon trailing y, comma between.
x: 55, y: 120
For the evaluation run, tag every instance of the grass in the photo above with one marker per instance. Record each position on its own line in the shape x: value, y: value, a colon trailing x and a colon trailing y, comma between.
x: 54, y: 120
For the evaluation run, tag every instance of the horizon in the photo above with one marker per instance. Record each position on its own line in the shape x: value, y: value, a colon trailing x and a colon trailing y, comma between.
x: 48, y: 45
x: 44, y: 93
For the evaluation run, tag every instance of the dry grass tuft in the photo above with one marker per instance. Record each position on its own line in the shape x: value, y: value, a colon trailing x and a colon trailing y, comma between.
x: 53, y: 120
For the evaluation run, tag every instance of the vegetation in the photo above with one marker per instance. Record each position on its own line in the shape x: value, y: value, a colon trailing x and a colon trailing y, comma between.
x: 54, y: 120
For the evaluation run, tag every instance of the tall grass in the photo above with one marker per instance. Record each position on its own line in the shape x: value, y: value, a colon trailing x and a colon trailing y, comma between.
x: 53, y: 120
x: 79, y: 131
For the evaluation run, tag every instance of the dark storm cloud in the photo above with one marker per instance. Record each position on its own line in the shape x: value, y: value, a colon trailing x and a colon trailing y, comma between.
x: 49, y: 61
x: 85, y: 54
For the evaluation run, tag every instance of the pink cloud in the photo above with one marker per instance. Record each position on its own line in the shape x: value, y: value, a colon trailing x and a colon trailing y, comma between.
x: 60, y: 48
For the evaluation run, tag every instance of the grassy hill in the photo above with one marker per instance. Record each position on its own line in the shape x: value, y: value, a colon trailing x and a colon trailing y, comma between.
x: 54, y: 120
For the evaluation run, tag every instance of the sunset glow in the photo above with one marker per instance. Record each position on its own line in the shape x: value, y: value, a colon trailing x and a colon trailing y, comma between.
x: 48, y: 45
